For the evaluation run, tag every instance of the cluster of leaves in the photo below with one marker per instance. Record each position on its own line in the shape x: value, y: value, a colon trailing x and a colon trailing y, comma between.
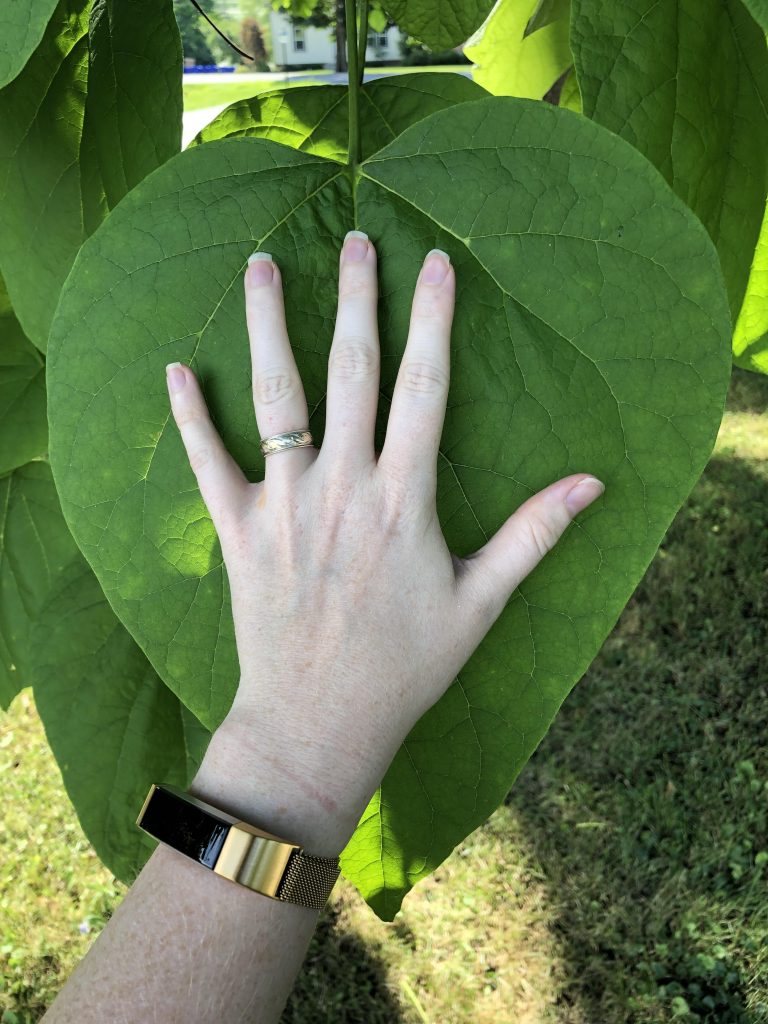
x: 684, y: 82
x: 592, y: 333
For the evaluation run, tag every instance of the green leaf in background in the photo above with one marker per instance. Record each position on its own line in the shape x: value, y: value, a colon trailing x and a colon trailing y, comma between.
x: 35, y: 545
x: 22, y: 23
x: 314, y: 119
x: 65, y: 160
x: 750, y: 335
x: 23, y: 418
x: 759, y: 11
x: 591, y: 333
x: 112, y: 724
x: 439, y: 24
x: 134, y: 105
x: 511, y: 63
x: 570, y: 97
x: 377, y: 18
x: 686, y: 82
x: 546, y: 12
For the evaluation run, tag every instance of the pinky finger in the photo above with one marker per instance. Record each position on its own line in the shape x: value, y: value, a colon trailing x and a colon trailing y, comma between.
x: 221, y: 481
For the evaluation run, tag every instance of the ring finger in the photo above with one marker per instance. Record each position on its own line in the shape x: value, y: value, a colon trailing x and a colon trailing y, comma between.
x: 278, y: 394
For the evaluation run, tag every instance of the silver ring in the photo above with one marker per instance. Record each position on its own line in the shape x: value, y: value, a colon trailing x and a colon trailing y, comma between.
x: 282, y: 442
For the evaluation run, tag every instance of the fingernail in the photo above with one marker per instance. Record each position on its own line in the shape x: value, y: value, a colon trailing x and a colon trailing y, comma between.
x: 260, y: 268
x: 176, y: 377
x: 355, y: 246
x: 436, y: 264
x: 583, y: 494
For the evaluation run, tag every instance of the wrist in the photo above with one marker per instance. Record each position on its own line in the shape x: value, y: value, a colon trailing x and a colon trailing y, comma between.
x: 275, y: 792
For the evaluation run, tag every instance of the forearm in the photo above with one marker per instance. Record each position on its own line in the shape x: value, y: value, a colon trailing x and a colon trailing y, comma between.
x: 186, y: 945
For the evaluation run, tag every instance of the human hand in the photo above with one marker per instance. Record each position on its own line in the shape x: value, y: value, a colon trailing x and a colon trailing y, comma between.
x: 351, y: 615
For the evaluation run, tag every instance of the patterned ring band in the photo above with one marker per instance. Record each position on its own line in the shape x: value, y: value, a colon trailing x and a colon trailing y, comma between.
x: 282, y: 442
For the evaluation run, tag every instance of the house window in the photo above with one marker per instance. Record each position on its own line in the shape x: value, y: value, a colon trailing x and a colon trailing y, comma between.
x: 377, y: 40
x: 298, y: 37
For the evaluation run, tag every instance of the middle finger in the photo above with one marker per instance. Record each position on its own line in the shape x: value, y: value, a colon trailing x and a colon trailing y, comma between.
x: 353, y: 363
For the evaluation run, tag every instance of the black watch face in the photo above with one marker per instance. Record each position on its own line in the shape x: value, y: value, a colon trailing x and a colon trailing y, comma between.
x: 185, y: 827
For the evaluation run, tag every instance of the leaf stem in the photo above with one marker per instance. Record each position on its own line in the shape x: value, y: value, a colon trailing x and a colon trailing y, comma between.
x: 350, y: 17
x: 362, y: 39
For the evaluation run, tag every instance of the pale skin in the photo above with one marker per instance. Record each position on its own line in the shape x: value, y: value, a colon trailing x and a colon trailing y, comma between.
x: 352, y: 618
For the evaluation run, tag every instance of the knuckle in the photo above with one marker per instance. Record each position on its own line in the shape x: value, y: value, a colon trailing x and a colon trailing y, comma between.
x: 423, y: 378
x: 201, y: 457
x: 432, y: 305
x: 274, y: 385
x: 354, y: 360
x: 540, y: 535
x: 399, y: 505
x: 190, y: 414
x: 355, y: 282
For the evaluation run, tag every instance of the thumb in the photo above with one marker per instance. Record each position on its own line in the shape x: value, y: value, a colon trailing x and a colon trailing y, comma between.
x: 486, y: 579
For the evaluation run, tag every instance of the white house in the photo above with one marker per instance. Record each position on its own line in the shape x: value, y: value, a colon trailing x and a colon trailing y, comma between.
x: 304, y: 45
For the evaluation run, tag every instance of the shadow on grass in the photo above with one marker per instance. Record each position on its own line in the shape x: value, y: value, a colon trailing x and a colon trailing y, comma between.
x: 647, y: 802
x: 341, y: 982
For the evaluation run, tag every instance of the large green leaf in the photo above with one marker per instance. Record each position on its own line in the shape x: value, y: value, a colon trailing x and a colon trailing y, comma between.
x: 591, y: 333
x: 511, y: 63
x: 64, y: 159
x: 112, y: 724
x: 23, y: 419
x: 314, y: 119
x: 440, y: 24
x: 686, y: 82
x: 35, y: 545
x: 22, y: 23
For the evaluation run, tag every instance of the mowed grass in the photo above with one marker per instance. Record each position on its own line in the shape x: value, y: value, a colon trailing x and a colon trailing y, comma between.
x: 198, y: 96
x: 625, y: 880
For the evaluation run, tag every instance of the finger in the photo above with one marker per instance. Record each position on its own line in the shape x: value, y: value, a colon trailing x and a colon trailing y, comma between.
x: 421, y: 390
x: 486, y: 579
x: 222, y: 483
x: 353, y: 363
x: 278, y: 394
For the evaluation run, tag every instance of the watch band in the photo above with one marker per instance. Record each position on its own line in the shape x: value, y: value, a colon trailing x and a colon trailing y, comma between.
x: 236, y: 850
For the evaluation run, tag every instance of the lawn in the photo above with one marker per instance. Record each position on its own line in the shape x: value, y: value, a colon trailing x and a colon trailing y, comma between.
x: 623, y: 881
x: 217, y: 94
x: 198, y: 95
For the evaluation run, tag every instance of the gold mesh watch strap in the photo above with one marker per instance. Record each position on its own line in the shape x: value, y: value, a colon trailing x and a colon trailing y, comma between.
x: 308, y: 880
x: 236, y: 850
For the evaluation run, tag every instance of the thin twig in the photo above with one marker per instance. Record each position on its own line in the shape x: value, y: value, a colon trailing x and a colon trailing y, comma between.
x: 226, y: 39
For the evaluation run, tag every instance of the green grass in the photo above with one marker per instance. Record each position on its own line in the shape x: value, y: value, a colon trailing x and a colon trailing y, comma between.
x: 198, y: 97
x: 623, y: 882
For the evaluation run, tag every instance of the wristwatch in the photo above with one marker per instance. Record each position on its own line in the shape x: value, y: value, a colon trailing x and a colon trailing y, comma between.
x: 236, y: 850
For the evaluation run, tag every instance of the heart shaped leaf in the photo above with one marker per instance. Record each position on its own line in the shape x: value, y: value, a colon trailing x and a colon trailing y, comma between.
x: 67, y: 158
x: 687, y: 84
x: 591, y: 333
x: 112, y: 724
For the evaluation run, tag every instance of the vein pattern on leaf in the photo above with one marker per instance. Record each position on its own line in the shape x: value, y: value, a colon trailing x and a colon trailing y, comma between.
x: 591, y: 334
x: 686, y: 83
